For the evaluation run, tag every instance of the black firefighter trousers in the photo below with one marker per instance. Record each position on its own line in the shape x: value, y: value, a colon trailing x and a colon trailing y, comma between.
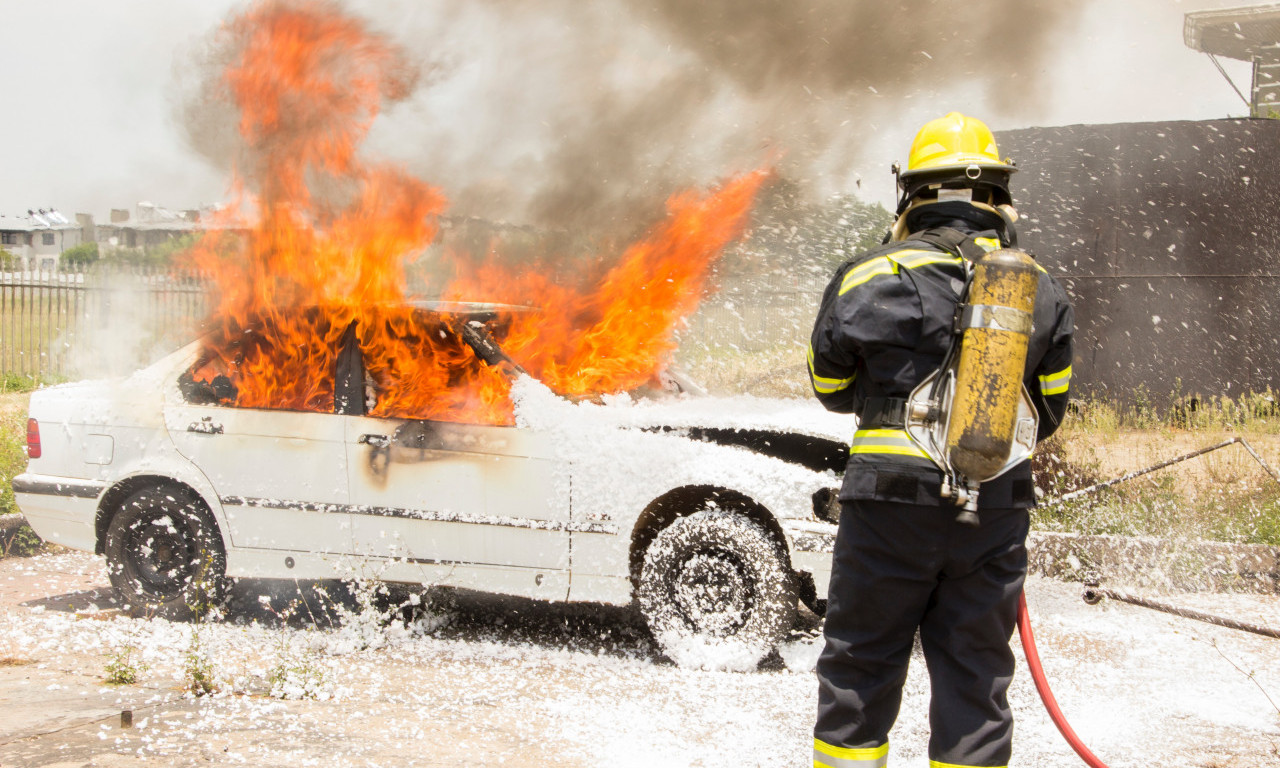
x: 899, y: 567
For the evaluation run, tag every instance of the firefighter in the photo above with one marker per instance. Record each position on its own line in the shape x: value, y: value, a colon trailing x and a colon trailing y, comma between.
x: 904, y: 561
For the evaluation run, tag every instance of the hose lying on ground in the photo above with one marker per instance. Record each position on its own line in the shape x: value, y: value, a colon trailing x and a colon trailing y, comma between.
x: 1042, y: 686
x: 1093, y: 594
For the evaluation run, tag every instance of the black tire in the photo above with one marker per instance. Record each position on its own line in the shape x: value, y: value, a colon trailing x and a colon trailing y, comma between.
x: 716, y: 591
x: 165, y: 555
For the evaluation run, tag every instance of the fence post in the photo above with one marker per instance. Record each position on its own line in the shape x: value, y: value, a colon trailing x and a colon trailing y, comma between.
x: 47, y: 317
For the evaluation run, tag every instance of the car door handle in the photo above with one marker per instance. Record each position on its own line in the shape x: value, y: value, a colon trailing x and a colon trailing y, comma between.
x: 205, y: 426
x: 377, y: 441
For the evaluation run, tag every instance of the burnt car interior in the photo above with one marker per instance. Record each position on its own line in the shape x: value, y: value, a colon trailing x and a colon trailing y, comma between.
x: 219, y: 390
x: 473, y: 325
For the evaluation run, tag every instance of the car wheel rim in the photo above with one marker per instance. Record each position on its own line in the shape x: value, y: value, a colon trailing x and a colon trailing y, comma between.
x: 712, y: 592
x: 161, y: 563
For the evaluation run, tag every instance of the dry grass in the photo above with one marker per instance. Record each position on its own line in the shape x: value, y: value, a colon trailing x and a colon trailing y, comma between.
x: 14, y: 403
x: 14, y: 661
x: 773, y: 372
x: 1224, y: 495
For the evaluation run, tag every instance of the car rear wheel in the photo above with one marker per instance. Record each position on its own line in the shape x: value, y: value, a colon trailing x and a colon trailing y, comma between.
x: 164, y: 554
x: 716, y: 591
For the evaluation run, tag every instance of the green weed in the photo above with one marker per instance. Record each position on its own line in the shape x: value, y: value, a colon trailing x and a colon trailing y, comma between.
x: 13, y: 456
x: 21, y: 543
x: 122, y: 668
x: 199, y: 675
x: 11, y: 383
x: 297, y: 675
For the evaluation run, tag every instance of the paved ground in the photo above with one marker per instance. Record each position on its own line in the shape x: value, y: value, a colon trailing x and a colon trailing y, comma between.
x: 524, y: 684
x: 58, y: 711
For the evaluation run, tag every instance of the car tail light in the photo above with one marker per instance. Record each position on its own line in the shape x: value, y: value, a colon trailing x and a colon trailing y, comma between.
x: 33, y: 439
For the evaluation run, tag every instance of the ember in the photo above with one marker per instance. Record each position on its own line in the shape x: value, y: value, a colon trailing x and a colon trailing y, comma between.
x: 333, y: 236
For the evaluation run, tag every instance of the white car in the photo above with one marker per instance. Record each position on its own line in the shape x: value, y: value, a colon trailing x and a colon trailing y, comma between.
x: 713, y: 515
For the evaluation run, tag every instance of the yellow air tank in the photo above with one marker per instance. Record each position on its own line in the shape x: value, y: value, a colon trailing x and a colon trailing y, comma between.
x: 996, y: 327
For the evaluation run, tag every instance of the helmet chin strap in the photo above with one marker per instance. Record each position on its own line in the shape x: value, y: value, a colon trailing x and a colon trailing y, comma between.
x: 1009, y: 215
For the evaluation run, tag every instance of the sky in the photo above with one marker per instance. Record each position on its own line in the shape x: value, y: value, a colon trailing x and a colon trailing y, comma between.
x: 94, y: 94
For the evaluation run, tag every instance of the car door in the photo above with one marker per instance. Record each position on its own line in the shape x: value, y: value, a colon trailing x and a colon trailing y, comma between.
x: 467, y: 503
x: 281, y: 476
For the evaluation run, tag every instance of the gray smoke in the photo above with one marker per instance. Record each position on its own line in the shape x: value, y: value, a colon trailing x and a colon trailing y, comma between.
x: 584, y: 117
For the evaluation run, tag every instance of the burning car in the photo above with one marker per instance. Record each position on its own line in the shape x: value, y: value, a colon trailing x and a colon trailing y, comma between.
x: 712, y: 516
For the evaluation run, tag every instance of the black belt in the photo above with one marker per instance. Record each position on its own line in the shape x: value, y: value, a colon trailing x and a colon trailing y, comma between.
x: 883, y: 412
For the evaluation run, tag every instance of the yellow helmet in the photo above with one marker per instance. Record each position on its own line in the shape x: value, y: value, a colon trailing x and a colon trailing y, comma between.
x: 954, y: 152
x: 954, y: 142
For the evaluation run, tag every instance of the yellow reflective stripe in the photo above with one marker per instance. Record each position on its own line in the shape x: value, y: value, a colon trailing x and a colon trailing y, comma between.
x: 936, y: 764
x: 889, y: 264
x: 830, y: 756
x: 864, y: 272
x: 889, y: 441
x: 1056, y: 383
x: 913, y: 259
x: 823, y: 385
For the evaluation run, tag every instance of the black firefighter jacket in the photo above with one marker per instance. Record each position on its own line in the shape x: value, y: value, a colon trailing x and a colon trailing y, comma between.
x: 885, y: 324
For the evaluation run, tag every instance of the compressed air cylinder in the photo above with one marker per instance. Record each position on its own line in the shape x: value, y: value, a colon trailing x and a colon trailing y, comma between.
x: 993, y: 352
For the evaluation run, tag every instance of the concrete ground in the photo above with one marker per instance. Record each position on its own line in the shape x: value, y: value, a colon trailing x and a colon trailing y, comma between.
x: 518, y: 683
x: 58, y: 711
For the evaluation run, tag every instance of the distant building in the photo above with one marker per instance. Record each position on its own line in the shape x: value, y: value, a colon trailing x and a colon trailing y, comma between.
x: 36, y: 240
x: 147, y: 226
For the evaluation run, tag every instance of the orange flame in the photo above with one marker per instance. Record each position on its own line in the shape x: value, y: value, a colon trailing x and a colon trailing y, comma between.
x: 308, y: 82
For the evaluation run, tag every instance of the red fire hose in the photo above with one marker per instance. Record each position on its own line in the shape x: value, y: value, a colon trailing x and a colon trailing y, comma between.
x: 1094, y: 594
x: 1042, y: 685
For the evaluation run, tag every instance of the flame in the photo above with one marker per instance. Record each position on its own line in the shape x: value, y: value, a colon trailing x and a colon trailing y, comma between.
x: 308, y: 82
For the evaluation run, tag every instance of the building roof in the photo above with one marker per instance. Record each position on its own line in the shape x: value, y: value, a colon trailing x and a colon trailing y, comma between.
x: 40, y: 220
x: 1243, y: 33
x: 149, y: 217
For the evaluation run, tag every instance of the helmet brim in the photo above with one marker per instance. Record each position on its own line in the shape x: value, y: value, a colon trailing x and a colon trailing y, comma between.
x: 989, y: 175
x: 958, y: 169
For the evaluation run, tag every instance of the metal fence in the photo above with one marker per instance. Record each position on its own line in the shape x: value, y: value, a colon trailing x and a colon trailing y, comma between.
x: 104, y: 321
x: 111, y: 321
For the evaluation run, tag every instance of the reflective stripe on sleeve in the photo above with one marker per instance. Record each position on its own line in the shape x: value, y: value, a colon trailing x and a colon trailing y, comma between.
x: 823, y: 385
x: 1056, y: 383
x: 827, y: 756
x: 890, y: 264
x: 864, y: 272
x: 887, y: 441
x: 936, y: 764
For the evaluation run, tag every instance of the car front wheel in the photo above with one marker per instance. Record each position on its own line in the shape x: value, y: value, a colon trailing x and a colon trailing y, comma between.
x: 164, y: 554
x: 716, y: 591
